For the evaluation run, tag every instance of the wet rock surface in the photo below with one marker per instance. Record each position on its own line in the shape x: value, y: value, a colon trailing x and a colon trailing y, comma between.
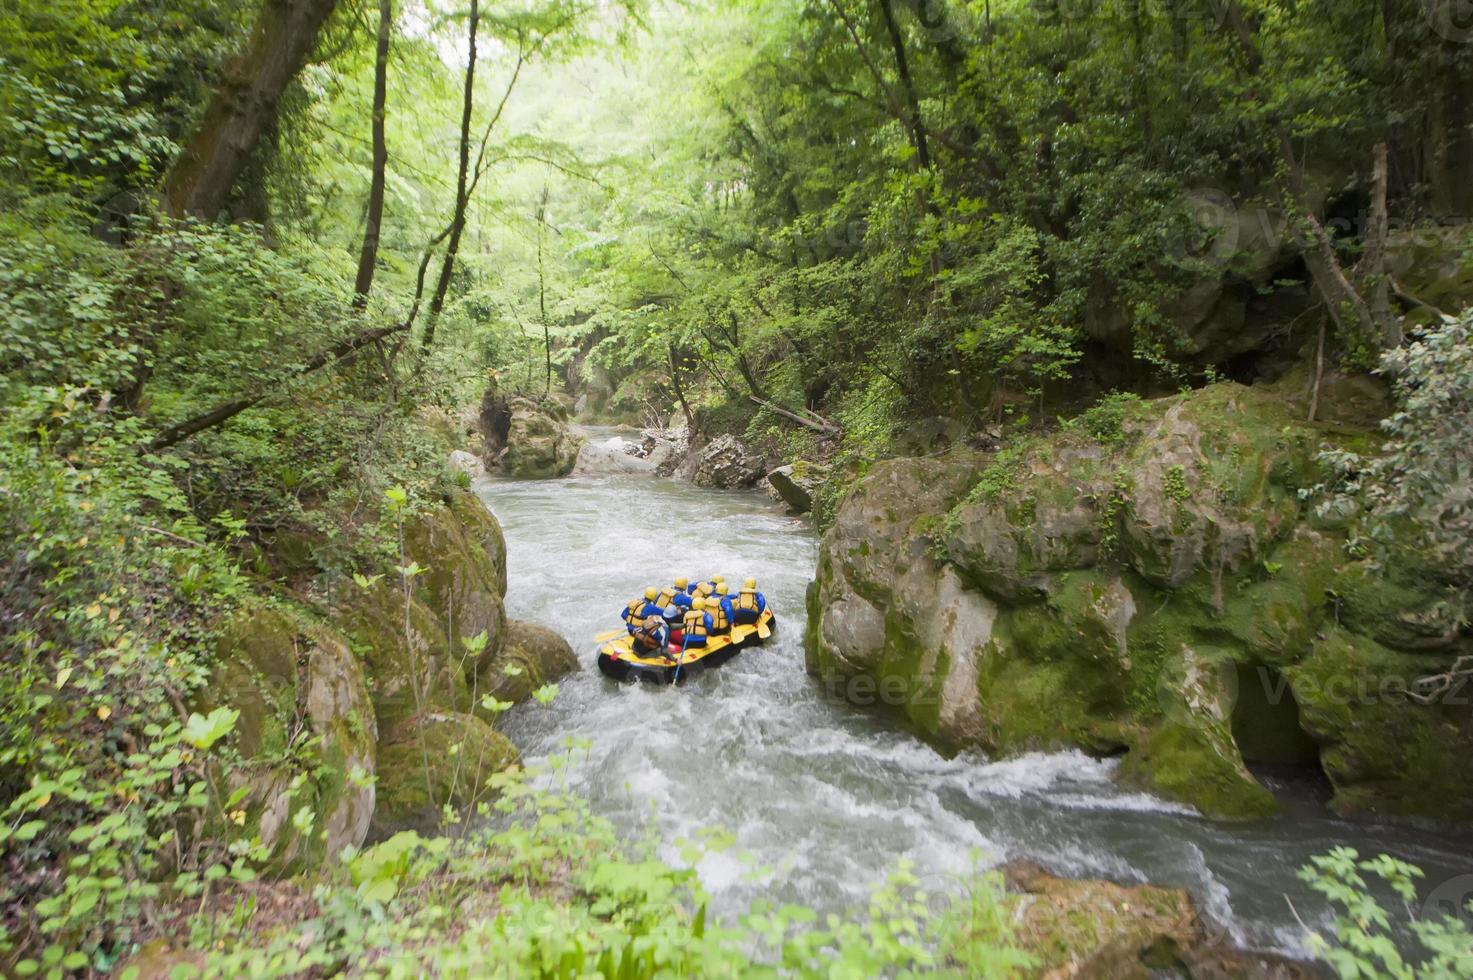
x: 1115, y: 591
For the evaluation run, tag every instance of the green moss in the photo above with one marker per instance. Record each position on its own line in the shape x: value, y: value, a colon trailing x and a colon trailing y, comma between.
x: 1197, y: 767
x: 444, y: 759
x: 1383, y: 752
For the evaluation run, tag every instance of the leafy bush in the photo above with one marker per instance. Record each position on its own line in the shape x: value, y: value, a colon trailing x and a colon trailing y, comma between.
x: 1363, y: 945
x: 1419, y: 487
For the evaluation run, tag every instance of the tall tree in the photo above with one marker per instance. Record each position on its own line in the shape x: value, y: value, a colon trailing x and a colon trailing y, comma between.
x: 368, y: 255
x: 462, y: 175
x: 243, y: 107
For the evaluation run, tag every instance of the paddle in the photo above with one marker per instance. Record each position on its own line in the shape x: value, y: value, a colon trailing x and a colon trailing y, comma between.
x: 610, y: 635
x: 685, y: 640
x: 763, y: 629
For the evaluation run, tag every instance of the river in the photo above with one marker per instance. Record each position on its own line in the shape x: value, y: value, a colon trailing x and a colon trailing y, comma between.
x: 829, y: 798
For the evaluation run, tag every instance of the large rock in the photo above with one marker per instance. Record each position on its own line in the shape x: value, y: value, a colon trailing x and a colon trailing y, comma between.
x: 1099, y: 929
x: 795, y: 484
x: 666, y: 450
x: 435, y: 760
x: 307, y: 729
x: 723, y: 463
x: 612, y: 456
x: 528, y: 439
x: 532, y: 656
x: 1113, y: 591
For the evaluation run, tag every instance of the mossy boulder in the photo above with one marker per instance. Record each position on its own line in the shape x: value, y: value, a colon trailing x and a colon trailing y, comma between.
x: 530, y: 657
x: 433, y: 760
x: 1094, y: 928
x: 1107, y: 586
x: 463, y: 553
x: 413, y: 646
x: 538, y: 443
x: 307, y: 730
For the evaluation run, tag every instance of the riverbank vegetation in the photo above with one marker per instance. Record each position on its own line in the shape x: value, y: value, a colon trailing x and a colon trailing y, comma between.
x: 261, y: 263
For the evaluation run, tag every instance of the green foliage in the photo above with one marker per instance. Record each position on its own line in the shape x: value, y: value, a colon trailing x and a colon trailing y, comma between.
x: 542, y: 887
x: 1105, y: 420
x: 1414, y: 495
x: 1363, y: 944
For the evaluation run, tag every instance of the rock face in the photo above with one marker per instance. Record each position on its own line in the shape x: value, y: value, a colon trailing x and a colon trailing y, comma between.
x: 723, y: 463
x: 616, y: 455
x: 371, y: 724
x: 528, y: 439
x: 1091, y: 928
x: 1159, y: 590
x: 795, y: 483
x: 305, y: 713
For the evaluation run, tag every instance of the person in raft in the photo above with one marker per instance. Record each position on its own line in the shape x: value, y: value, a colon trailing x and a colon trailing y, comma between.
x: 749, y: 604
x: 641, y: 609
x: 651, y: 635
x: 675, y: 621
x: 697, y: 625
x: 720, y: 610
x: 682, y: 596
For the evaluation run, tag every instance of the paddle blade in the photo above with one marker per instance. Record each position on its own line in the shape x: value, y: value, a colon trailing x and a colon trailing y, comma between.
x: 610, y: 635
x: 764, y: 630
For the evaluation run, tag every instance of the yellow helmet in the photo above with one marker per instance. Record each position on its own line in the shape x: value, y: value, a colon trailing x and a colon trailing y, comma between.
x: 750, y: 583
x: 698, y: 603
x: 651, y: 593
x: 721, y: 588
x: 718, y: 579
x: 682, y: 583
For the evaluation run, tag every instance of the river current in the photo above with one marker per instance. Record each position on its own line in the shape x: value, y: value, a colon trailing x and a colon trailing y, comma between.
x: 829, y: 798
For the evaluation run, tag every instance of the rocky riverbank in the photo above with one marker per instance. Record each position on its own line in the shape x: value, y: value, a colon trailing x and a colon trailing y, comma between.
x: 370, y: 710
x: 1149, y: 581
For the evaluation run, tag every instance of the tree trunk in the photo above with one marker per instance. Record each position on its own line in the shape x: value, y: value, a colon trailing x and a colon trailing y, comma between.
x: 462, y: 195
x: 368, y: 256
x: 690, y: 418
x: 243, y: 106
x: 907, y: 87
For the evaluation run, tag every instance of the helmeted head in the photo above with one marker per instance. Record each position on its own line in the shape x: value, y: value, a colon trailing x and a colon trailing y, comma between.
x: 719, y: 579
x: 721, y: 588
x: 682, y: 583
x: 651, y: 593
x: 698, y: 603
x: 672, y: 612
x: 750, y: 583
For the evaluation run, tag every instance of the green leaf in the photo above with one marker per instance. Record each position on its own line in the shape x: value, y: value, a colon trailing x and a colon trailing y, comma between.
x: 204, y: 731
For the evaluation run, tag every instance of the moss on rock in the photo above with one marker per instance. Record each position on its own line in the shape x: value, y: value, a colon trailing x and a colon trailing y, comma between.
x: 1128, y: 575
x: 531, y: 656
x: 432, y: 761
x: 306, y: 729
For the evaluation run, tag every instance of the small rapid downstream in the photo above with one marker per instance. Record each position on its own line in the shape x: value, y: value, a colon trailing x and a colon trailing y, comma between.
x: 827, y: 797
